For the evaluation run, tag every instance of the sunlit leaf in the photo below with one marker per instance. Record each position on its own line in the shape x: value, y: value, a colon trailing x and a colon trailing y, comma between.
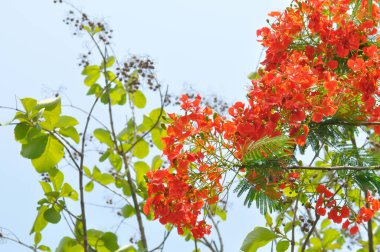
x: 258, y: 238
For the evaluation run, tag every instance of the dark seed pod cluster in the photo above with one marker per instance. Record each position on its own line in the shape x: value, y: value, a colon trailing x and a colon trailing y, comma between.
x: 143, y: 67
x: 99, y: 30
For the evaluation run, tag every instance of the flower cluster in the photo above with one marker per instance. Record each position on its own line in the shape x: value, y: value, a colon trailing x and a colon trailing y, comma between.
x: 338, y: 213
x: 325, y: 200
x: 365, y: 214
x: 177, y: 194
x: 322, y: 60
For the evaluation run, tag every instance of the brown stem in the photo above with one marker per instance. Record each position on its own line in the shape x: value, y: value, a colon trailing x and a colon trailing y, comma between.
x: 335, y: 168
x: 293, y: 243
x: 359, y: 123
x: 135, y: 203
x: 370, y: 234
x: 310, y: 232
x: 81, y: 190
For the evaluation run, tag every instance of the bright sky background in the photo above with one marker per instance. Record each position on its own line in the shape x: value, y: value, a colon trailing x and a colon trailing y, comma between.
x: 207, y: 44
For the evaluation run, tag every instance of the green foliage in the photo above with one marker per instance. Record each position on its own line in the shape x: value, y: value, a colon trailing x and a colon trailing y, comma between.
x: 263, y: 202
x: 266, y: 148
x: 257, y: 238
x: 138, y: 99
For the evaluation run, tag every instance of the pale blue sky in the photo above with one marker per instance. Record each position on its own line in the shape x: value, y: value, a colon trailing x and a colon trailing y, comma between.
x: 208, y: 44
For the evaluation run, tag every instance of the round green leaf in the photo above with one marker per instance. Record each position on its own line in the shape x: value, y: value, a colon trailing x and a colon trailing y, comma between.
x: 141, y: 168
x: 110, y: 241
x: 141, y: 149
x: 282, y: 246
x: 103, y: 136
x: 259, y: 237
x: 138, y: 98
x: 50, y: 157
x: 52, y: 216
x: 66, y: 121
x: 128, y: 211
x: 35, y: 147
x: 157, y: 138
x: 21, y: 131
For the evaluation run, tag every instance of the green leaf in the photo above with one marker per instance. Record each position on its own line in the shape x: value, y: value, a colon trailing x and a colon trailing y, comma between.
x: 68, y: 191
x: 116, y: 95
x: 110, y: 241
x: 40, y: 222
x: 50, y: 157
x: 91, y: 79
x: 21, y: 132
x: 106, y: 179
x: 141, y: 168
x: 138, y: 99
x: 68, y: 244
x: 66, y: 121
x: 52, y: 216
x: 157, y: 138
x: 282, y: 246
x: 44, y: 248
x: 253, y: 76
x: 146, y: 125
x: 110, y: 76
x: 37, y: 238
x: 317, y: 245
x: 157, y: 114
x: 48, y: 104
x: 156, y: 163
x: 288, y: 192
x: 95, y: 89
x: 105, y: 155
x: 268, y: 219
x: 325, y: 223
x: 221, y: 213
x: 87, y: 171
x: 94, y: 237
x: 329, y: 236
x: 127, y: 248
x: 141, y: 149
x: 56, y: 178
x: 70, y: 132
x: 28, y: 104
x: 259, y: 237
x: 35, y: 147
x: 96, y: 174
x: 109, y: 62
x: 89, y: 186
x: 103, y: 136
x: 115, y: 161
x: 88, y: 70
x: 128, y: 211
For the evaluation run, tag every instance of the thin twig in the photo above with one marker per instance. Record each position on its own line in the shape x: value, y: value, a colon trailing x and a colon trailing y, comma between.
x: 161, y: 245
x: 310, y: 232
x: 293, y: 243
x: 335, y: 168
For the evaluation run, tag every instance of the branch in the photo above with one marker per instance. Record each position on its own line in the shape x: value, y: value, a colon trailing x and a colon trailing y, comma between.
x: 161, y: 245
x: 81, y: 191
x: 310, y: 232
x: 16, y: 239
x: 358, y: 123
x: 294, y: 224
x: 335, y: 168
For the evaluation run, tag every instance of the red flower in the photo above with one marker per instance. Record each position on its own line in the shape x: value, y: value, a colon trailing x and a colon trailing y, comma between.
x: 354, y: 230
x: 321, y: 211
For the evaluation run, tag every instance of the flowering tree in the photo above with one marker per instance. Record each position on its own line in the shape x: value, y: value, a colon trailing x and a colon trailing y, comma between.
x: 315, y: 93
x: 295, y: 148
